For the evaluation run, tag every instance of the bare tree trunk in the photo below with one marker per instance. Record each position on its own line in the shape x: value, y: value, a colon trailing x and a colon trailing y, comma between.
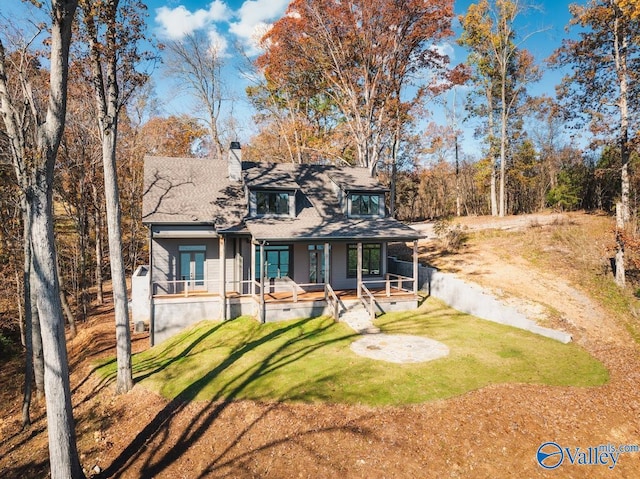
x: 503, y: 143
x: 84, y: 240
x: 104, y: 60
x: 458, y: 206
x: 619, y: 259
x: 36, y: 339
x: 68, y: 313
x: 28, y: 329
x: 620, y: 52
x: 394, y: 172
x: 65, y: 305
x: 124, y: 380
x: 494, y: 198
x: 98, y: 228
x: 60, y: 425
x: 19, y: 300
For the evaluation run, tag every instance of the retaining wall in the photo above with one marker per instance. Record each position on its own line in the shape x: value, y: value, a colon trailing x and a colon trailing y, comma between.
x: 471, y: 299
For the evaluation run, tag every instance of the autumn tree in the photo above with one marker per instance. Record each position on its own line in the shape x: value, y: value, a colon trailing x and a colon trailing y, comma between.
x: 604, y: 66
x: 171, y: 136
x: 38, y: 167
x: 501, y: 72
x: 80, y: 189
x: 361, y: 56
x: 604, y: 63
x: 296, y: 127
x: 113, y: 30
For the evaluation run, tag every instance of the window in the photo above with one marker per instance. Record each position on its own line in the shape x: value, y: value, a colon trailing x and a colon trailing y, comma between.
x: 272, y: 203
x: 371, y: 260
x: 365, y: 205
x: 277, y: 262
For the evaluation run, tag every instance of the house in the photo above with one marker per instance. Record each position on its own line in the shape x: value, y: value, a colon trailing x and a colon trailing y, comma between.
x: 277, y: 241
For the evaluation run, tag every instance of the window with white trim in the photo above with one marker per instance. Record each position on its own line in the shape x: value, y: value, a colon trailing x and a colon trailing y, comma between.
x: 364, y: 204
x: 272, y: 203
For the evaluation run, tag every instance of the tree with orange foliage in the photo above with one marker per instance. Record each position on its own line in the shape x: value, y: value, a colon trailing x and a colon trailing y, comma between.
x: 357, y: 58
x: 172, y: 136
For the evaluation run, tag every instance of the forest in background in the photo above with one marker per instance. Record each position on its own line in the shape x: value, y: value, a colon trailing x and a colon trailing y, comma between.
x: 336, y: 82
x: 304, y: 115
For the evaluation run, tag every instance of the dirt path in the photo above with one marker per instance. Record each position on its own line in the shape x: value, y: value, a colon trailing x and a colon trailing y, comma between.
x: 544, y: 295
x: 490, y: 433
x: 478, y: 223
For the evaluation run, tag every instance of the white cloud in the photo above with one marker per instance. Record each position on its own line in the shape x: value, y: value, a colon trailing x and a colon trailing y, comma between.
x: 177, y: 22
x: 445, y: 48
x: 217, y: 43
x: 248, y: 24
x: 254, y: 20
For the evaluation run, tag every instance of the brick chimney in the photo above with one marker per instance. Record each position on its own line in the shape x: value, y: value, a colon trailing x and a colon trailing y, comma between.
x: 235, y: 162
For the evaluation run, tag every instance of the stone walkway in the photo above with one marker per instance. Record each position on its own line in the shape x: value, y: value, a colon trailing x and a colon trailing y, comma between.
x: 399, y: 348
x: 396, y: 348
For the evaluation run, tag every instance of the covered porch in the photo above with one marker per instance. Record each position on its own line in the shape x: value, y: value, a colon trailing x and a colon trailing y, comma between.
x: 272, y: 280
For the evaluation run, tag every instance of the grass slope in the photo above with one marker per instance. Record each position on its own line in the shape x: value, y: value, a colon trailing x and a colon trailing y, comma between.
x: 311, y: 361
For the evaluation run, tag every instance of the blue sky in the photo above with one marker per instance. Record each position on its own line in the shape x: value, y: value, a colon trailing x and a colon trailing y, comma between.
x: 241, y: 22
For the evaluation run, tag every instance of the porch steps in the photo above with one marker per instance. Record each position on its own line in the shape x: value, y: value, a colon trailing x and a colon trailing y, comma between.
x: 357, y: 318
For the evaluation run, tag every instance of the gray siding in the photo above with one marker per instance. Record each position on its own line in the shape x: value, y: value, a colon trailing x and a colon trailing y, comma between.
x: 166, y: 259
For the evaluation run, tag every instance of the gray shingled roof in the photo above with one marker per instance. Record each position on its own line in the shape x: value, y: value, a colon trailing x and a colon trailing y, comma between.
x: 264, y: 176
x: 355, y: 179
x: 301, y: 229
x: 190, y: 191
x: 196, y: 191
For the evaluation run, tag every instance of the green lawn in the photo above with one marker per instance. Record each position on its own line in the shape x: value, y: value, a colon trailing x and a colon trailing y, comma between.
x: 310, y: 360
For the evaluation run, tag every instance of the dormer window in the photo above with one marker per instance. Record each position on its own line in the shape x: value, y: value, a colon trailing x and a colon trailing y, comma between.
x: 272, y: 203
x: 364, y: 204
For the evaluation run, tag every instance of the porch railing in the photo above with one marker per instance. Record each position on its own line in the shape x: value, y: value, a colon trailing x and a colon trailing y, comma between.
x: 368, y: 300
x: 332, y: 301
x: 185, y: 288
x: 393, y: 284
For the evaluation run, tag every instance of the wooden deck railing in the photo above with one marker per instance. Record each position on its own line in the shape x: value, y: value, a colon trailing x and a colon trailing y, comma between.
x: 397, y: 281
x: 185, y: 287
x: 369, y: 300
x: 332, y: 301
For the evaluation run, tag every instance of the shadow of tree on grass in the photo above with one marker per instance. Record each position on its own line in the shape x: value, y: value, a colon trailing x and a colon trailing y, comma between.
x: 158, y: 429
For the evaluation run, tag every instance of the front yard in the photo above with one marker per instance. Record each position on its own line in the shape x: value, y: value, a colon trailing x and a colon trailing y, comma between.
x: 311, y: 361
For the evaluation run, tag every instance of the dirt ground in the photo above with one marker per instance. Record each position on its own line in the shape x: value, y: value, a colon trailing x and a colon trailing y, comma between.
x: 493, y: 432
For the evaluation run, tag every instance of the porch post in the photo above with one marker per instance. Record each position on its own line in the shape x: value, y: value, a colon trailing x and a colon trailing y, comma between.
x: 415, y: 267
x: 253, y: 269
x: 223, y: 277
x: 152, y: 323
x: 262, y: 302
x: 359, y: 274
x: 327, y: 262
